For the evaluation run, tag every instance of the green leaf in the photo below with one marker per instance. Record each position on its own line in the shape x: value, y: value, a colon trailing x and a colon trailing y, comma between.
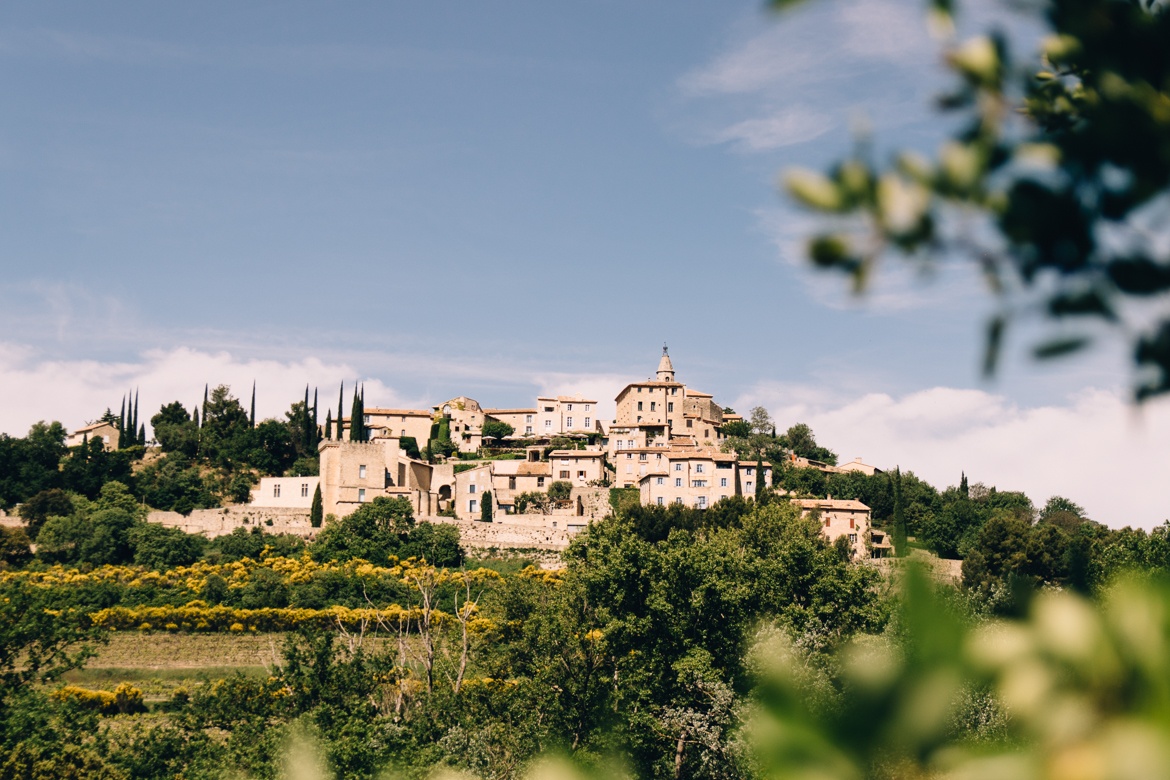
x: 1060, y: 347
x: 995, y: 329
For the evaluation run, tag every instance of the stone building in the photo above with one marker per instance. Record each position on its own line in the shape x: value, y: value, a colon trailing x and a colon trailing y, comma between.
x: 689, y: 474
x: 652, y: 412
x: 396, y: 423
x: 105, y: 431
x: 843, y: 517
x: 285, y: 492
x: 466, y: 417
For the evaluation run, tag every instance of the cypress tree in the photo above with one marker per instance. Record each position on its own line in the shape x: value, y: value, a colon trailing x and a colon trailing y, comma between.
x: 759, y: 479
x: 315, y: 514
x: 142, y: 434
x: 963, y: 489
x: 204, y: 402
x: 306, y: 421
x: 121, y: 425
x: 135, y: 424
x: 329, y: 423
x: 196, y: 417
x: 485, y: 509
x: 355, y: 420
x: 899, y: 535
x: 316, y: 438
x: 252, y: 418
x: 340, y: 406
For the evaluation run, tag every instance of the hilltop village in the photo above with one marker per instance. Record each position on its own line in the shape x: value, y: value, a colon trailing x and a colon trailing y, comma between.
x: 528, y: 477
x: 531, y: 477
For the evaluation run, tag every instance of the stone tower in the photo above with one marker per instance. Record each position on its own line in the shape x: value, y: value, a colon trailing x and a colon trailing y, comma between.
x: 665, y: 369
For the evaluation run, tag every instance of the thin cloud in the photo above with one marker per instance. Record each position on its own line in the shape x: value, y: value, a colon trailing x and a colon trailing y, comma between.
x: 1096, y: 448
x: 783, y: 128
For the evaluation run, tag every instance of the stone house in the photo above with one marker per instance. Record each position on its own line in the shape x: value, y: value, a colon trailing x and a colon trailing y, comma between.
x: 285, y: 492
x: 105, y: 431
x: 840, y: 517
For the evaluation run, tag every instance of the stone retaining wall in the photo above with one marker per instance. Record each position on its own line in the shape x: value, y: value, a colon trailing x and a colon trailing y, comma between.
x: 218, y: 522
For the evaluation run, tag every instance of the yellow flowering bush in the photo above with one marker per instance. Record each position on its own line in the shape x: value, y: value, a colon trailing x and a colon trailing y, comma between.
x: 125, y: 698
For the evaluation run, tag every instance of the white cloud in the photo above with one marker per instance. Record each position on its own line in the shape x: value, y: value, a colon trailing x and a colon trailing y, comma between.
x: 783, y: 128
x: 77, y: 391
x: 1096, y: 448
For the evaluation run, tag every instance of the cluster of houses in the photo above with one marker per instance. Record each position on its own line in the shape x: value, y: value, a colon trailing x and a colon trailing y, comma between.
x: 664, y: 441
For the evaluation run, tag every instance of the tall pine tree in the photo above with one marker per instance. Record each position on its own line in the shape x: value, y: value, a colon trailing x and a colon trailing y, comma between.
x: 355, y: 418
x: 340, y: 406
x: 252, y: 416
x: 899, y: 535
x: 760, y: 486
x: 316, y: 439
x: 316, y: 511
x: 329, y: 423
x: 122, y: 425
x: 135, y: 424
x: 964, y: 491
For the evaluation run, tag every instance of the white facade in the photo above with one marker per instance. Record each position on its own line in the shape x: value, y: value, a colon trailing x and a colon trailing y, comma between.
x: 285, y: 492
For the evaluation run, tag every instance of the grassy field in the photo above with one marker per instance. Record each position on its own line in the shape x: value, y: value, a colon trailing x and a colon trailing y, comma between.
x: 159, y: 664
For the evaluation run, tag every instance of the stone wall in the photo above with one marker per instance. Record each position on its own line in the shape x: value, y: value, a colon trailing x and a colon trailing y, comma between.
x: 539, y: 533
x: 217, y: 522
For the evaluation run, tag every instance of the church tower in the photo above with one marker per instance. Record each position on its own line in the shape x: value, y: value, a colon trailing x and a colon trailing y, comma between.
x: 665, y: 368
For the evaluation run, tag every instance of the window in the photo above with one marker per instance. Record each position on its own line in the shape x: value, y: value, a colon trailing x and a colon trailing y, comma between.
x: 568, y: 422
x: 660, y: 501
x: 630, y: 443
x: 706, y: 433
x: 276, y: 491
x: 698, y: 483
x: 471, y: 489
x: 661, y: 480
x: 698, y: 468
x: 748, y: 484
x: 473, y: 506
x: 402, y: 432
x: 674, y: 391
x: 366, y: 419
x: 568, y: 407
x: 548, y: 423
x: 678, y: 481
x: 511, y: 483
x: 639, y: 418
x: 749, y: 471
x: 620, y: 443
x: 690, y: 423
x: 678, y: 467
x: 528, y: 429
x: 851, y: 525
x: 540, y: 481
x: 304, y: 490
x: 361, y: 472
x: 361, y: 495
x: 670, y: 406
x: 580, y: 475
x: 658, y: 456
x: 641, y: 456
x: 586, y: 409
x: 639, y: 406
x: 853, y: 538
x: 653, y: 406
x: 527, y: 418
x: 565, y: 474
x: 702, y: 502
x: 678, y: 500
x: 723, y: 482
x: 587, y: 421
x: 548, y: 409
x: 629, y: 456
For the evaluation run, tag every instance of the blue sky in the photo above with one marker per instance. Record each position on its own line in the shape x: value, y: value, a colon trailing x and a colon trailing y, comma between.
x: 483, y: 199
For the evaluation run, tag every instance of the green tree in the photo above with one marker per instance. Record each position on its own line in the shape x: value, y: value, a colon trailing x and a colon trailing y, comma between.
x: 88, y: 467
x: 316, y: 512
x: 495, y: 429
x: 800, y: 440
x: 174, y: 483
x: 30, y: 465
x: 485, y: 507
x: 736, y: 429
x: 899, y: 519
x: 48, y: 503
x: 161, y: 548
x: 373, y: 531
x: 1062, y: 153
x: 560, y: 490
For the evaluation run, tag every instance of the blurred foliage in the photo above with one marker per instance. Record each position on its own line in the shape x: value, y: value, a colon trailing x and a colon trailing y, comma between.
x: 1056, y: 183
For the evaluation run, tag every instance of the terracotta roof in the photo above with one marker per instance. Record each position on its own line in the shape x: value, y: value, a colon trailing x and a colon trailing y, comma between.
x: 830, y: 503
x: 509, y: 411
x: 400, y: 412
x: 93, y: 426
x: 576, y: 454
x: 696, y: 394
